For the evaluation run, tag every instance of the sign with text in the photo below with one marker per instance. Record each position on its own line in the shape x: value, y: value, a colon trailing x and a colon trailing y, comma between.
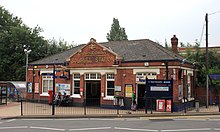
x: 117, y: 88
x: 36, y: 88
x: 63, y: 88
x: 159, y: 88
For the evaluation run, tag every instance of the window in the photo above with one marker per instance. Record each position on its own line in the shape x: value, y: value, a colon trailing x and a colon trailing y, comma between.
x: 47, y: 83
x: 149, y: 75
x: 76, y: 87
x: 92, y: 76
x: 76, y: 84
x: 110, y: 82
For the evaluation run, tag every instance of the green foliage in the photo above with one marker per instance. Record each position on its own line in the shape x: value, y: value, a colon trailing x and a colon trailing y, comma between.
x: 199, y: 58
x: 14, y: 34
x: 166, y: 45
x: 116, y: 32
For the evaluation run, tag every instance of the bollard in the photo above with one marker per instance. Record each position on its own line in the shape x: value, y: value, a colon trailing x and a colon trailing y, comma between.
x: 197, y: 106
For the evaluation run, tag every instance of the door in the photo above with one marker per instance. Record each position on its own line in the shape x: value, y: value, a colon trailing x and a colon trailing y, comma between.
x: 140, y: 98
x: 93, y: 93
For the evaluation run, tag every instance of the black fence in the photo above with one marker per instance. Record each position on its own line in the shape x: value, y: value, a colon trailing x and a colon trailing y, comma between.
x: 93, y: 106
x: 90, y: 106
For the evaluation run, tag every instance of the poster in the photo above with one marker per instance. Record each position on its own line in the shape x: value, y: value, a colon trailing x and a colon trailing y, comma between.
x: 128, y: 90
x: 180, y: 92
x: 63, y: 88
x: 36, y: 88
x: 29, y: 87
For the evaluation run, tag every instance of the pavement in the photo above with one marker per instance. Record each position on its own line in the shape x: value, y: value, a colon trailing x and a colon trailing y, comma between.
x: 13, y: 110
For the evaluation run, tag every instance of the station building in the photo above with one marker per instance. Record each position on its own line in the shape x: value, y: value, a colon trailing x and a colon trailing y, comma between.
x: 96, y: 70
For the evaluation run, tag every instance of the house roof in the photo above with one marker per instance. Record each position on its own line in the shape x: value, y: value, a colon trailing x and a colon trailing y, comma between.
x: 128, y: 50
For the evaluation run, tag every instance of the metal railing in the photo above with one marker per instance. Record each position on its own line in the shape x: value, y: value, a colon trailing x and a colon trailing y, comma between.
x: 92, y: 106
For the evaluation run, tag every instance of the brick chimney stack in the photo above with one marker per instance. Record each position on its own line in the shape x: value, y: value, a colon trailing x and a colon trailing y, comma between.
x: 174, y: 42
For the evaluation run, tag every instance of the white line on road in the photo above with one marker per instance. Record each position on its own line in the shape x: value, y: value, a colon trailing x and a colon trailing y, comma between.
x: 132, y: 129
x: 15, y: 127
x: 101, y: 119
x: 47, y: 128
x: 183, y: 119
x: 37, y: 119
x: 73, y: 119
x: 214, y: 119
x: 184, y: 130
x: 11, y: 120
x: 216, y: 129
x: 87, y: 129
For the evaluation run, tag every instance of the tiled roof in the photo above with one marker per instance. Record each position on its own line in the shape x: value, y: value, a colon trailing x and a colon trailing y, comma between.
x: 128, y: 50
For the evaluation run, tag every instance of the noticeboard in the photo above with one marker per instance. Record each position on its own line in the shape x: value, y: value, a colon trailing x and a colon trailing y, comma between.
x: 159, y: 88
x: 128, y: 90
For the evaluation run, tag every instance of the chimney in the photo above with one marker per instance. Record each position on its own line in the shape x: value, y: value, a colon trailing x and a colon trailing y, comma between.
x: 174, y: 42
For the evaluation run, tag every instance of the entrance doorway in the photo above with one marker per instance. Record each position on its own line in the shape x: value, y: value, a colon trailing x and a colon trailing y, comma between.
x: 140, y: 96
x: 93, y: 93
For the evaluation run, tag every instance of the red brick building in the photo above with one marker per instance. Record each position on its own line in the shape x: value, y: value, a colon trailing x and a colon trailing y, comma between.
x: 96, y: 70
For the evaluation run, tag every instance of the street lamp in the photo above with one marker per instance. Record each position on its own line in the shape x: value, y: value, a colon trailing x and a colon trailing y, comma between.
x: 27, y: 51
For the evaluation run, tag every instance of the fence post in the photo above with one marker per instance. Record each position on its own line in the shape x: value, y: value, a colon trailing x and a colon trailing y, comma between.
x: 53, y: 107
x: 145, y: 105
x: 184, y: 104
x: 172, y: 105
x: 151, y: 105
x: 21, y: 107
x: 84, y: 106
x: 117, y: 106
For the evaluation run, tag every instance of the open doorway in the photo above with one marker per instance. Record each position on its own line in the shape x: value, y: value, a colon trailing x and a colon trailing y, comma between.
x: 140, y: 96
x: 93, y: 93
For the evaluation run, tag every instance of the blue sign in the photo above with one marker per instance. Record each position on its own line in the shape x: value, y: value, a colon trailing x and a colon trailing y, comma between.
x: 159, y: 88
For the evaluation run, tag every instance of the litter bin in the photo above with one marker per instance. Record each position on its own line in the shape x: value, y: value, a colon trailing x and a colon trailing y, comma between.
x: 50, y: 97
x: 197, y: 106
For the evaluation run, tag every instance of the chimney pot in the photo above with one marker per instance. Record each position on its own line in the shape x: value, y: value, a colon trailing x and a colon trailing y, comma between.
x: 174, y: 42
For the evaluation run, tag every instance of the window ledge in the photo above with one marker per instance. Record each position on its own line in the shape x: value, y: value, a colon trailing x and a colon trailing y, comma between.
x: 109, y: 98
x: 75, y: 96
x: 44, y: 94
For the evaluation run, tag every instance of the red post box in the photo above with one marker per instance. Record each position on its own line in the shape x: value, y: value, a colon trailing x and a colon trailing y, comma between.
x: 50, y: 97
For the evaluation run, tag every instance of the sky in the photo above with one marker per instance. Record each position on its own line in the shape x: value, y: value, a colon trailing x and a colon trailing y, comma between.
x: 76, y: 21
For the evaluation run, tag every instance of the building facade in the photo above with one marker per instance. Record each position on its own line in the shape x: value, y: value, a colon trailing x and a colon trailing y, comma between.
x: 98, y: 72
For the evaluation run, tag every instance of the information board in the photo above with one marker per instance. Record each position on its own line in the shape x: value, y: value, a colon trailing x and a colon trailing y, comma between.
x: 159, y: 88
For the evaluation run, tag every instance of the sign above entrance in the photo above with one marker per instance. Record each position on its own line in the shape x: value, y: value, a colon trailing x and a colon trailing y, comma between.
x: 93, y: 54
x: 93, y: 57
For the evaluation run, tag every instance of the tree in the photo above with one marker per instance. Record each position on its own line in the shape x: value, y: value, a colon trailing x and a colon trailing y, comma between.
x: 14, y: 34
x: 166, y: 45
x: 116, y: 33
x: 199, y: 58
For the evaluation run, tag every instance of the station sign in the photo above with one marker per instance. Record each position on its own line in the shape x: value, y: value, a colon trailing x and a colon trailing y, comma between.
x: 159, y: 88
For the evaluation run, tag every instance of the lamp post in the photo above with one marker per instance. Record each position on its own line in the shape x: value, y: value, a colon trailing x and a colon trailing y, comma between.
x: 27, y: 51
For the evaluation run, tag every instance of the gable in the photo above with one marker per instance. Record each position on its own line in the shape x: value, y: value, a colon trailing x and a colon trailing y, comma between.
x: 93, y: 55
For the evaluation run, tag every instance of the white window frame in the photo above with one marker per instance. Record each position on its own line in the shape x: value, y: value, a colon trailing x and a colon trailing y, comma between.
x: 109, y: 78
x: 75, y: 79
x: 189, y: 86
x: 88, y: 76
x: 149, y: 75
x: 46, y: 78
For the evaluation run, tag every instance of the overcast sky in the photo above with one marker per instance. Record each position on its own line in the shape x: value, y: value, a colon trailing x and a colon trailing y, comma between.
x: 79, y: 20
